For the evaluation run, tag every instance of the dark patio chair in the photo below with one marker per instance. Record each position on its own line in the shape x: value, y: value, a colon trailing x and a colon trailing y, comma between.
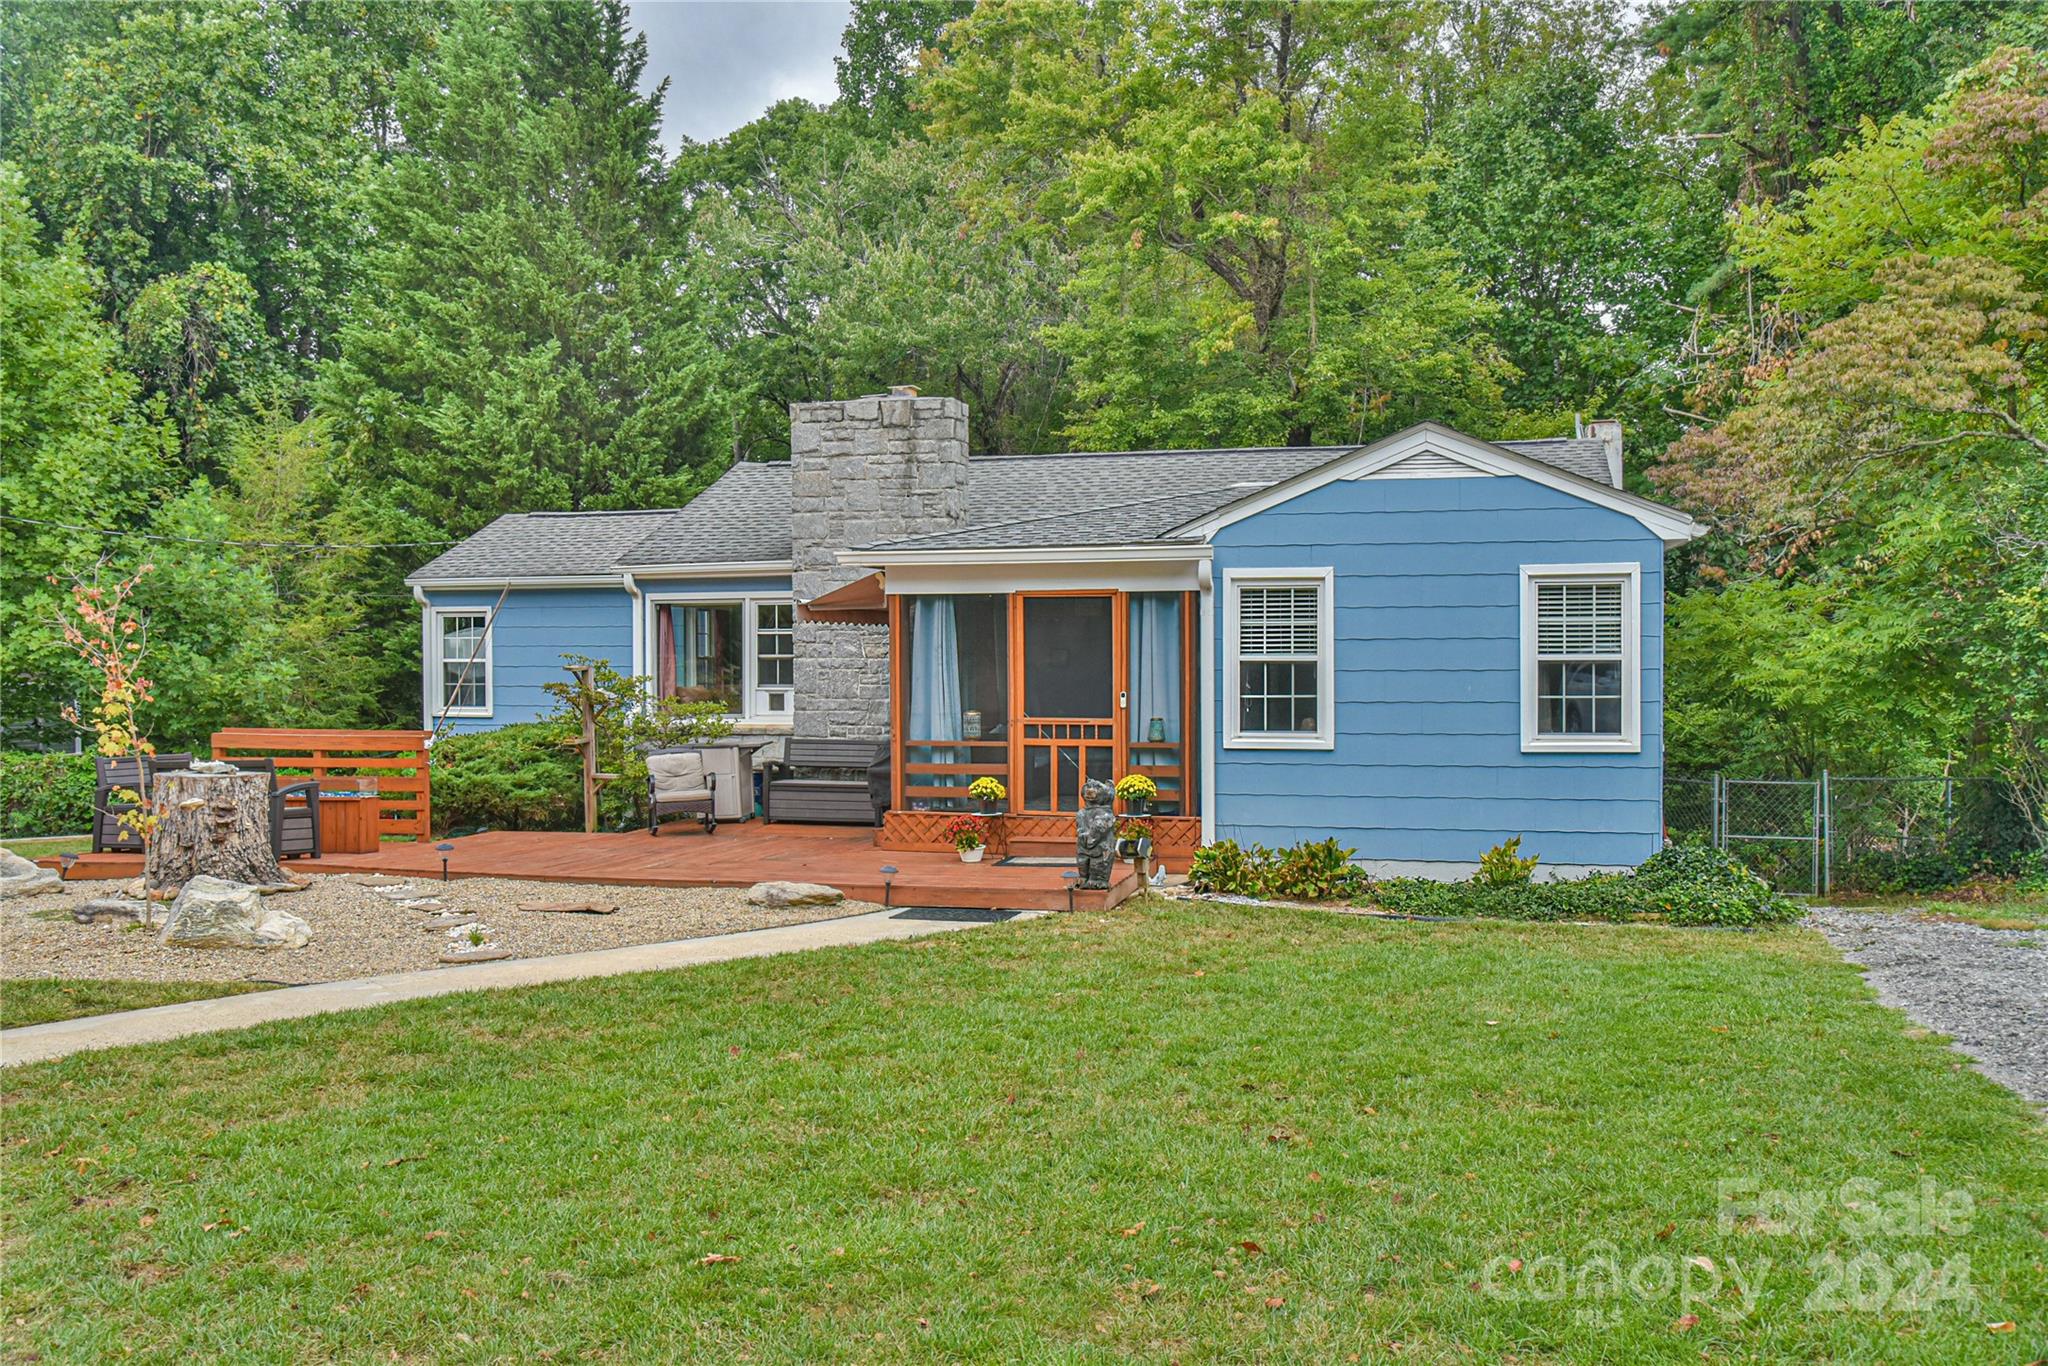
x: 679, y: 784
x: 122, y: 773
x: 294, y: 811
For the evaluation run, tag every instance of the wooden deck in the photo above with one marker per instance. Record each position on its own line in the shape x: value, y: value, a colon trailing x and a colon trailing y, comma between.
x: 737, y: 856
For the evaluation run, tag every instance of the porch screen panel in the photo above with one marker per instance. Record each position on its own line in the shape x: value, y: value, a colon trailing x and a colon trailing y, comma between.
x: 956, y: 665
x: 1155, y: 703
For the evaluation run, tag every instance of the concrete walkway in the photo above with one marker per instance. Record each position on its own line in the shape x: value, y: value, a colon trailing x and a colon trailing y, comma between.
x: 40, y: 1043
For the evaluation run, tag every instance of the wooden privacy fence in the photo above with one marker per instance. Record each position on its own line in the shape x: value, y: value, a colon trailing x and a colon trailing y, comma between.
x: 395, y: 759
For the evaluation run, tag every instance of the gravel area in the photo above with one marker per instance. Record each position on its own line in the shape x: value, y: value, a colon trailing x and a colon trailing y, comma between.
x: 359, y: 933
x: 1986, y: 989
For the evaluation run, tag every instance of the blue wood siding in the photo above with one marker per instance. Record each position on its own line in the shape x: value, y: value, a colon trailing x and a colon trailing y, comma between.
x: 534, y: 629
x: 1428, y: 764
x: 537, y: 626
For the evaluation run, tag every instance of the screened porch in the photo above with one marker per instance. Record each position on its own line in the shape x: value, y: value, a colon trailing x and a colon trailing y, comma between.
x: 1042, y: 691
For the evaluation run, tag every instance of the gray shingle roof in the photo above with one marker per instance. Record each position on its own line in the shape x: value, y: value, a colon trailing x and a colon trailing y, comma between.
x: 1013, y: 502
x: 526, y: 545
x: 742, y: 517
x: 1574, y: 455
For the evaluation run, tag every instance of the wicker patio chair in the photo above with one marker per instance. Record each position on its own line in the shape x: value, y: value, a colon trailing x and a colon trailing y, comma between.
x: 679, y: 784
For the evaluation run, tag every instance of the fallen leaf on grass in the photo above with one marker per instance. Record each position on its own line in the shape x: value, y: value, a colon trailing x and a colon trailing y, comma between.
x: 2006, y: 1326
x: 1703, y: 1263
x: 717, y: 1258
x: 1664, y: 1233
x: 1249, y: 1246
x: 1133, y: 1231
x: 435, y: 1236
x: 1274, y: 1301
x: 1514, y: 1263
x: 1686, y: 1322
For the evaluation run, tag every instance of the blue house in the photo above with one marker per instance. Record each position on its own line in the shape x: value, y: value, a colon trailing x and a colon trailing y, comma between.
x: 1420, y: 647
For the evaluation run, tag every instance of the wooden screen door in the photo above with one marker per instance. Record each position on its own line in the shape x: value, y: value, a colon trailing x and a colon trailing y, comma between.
x: 1066, y: 696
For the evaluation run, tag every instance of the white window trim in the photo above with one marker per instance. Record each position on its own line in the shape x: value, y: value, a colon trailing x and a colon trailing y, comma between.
x: 1324, y: 581
x: 750, y: 620
x: 437, y: 683
x: 1630, y: 741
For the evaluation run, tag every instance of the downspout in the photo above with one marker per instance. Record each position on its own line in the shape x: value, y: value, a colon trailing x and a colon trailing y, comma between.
x: 419, y: 595
x: 639, y: 625
x: 1205, y: 581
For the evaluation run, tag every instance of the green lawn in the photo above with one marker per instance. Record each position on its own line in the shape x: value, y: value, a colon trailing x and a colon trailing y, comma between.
x: 1168, y: 1132
x: 55, y: 844
x: 45, y: 999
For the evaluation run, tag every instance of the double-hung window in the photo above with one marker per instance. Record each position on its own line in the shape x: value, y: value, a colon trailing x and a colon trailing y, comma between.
x: 1581, y: 657
x: 462, y: 662
x: 774, y: 659
x: 1278, y: 659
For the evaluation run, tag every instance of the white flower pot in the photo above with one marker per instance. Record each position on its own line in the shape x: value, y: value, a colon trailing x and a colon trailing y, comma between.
x: 973, y: 855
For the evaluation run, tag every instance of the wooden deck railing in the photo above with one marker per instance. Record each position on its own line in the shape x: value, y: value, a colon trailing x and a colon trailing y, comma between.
x: 986, y: 759
x: 396, y: 759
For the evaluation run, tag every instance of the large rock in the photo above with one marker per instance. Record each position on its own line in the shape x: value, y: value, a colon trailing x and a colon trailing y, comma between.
x: 213, y: 913
x: 19, y: 877
x: 780, y: 894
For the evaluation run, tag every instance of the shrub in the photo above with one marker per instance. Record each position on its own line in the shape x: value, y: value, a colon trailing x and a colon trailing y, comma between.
x: 1697, y: 884
x: 1684, y: 885
x: 1503, y: 866
x: 45, y: 794
x: 1318, y: 871
x: 1322, y: 871
x: 1227, y: 869
x: 518, y: 777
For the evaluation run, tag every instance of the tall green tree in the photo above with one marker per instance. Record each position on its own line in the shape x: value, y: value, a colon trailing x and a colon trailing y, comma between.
x: 524, y: 338
x: 80, y: 451
x: 202, y: 158
x: 1241, y: 188
x: 1586, y: 229
x: 1882, y: 488
x: 884, y: 45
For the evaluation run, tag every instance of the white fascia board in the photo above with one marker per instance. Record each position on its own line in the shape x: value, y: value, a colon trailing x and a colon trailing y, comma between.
x: 1668, y: 524
x: 885, y: 558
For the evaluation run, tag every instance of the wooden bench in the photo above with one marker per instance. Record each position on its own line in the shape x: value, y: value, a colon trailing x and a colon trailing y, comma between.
x: 822, y: 781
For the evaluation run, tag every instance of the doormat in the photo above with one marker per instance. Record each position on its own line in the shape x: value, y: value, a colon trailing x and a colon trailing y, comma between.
x: 961, y: 914
x: 1036, y: 861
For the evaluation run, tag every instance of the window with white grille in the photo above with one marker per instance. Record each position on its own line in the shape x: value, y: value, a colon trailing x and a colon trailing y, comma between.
x: 1279, y: 666
x: 1579, y: 657
x: 462, y: 650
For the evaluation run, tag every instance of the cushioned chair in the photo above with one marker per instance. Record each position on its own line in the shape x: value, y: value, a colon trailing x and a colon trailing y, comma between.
x: 679, y: 784
x: 120, y: 774
x: 294, y: 811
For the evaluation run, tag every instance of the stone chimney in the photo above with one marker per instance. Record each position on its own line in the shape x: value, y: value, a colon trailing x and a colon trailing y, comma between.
x: 867, y: 469
x: 1607, y: 431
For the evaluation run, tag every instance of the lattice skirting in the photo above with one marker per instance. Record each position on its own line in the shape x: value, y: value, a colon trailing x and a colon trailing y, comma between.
x: 1174, y: 838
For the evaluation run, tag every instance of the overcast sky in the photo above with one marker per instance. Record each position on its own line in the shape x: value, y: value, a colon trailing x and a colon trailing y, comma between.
x: 727, y: 60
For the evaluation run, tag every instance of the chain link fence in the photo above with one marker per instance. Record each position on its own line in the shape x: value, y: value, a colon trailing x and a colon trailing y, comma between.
x: 1861, y: 832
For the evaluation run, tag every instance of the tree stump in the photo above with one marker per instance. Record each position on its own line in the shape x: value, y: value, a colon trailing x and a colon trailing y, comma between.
x: 212, y: 823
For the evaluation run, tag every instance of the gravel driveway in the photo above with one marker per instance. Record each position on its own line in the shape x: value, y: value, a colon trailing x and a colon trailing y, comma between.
x: 1986, y: 989
x: 357, y: 933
